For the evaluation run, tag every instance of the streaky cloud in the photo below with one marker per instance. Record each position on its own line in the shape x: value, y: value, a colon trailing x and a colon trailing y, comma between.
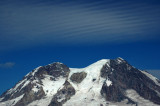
x: 31, y: 23
x: 7, y: 65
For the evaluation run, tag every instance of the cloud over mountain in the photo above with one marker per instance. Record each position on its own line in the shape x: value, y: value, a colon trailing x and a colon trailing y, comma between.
x: 28, y: 23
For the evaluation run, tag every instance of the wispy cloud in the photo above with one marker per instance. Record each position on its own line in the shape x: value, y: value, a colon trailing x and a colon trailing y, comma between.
x: 34, y: 23
x: 7, y: 65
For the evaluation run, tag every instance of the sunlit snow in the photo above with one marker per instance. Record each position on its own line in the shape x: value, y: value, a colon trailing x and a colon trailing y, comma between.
x: 88, y: 92
x: 11, y: 102
x: 151, y: 77
x: 50, y: 87
x: 133, y: 95
x: 108, y: 82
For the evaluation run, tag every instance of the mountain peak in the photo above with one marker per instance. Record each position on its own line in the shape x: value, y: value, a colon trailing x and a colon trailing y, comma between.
x: 58, y: 63
x: 107, y: 81
x: 100, y: 62
x: 120, y: 60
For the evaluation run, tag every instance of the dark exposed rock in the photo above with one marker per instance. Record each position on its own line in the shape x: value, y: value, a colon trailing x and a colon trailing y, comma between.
x: 30, y: 96
x: 55, y: 70
x: 93, y: 80
x: 19, y: 91
x: 78, y: 77
x: 63, y: 95
x: 158, y: 80
x: 40, y: 73
x: 123, y: 77
x: 112, y: 93
x: 55, y: 103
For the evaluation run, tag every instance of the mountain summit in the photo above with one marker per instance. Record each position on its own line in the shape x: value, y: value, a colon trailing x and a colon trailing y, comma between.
x: 106, y: 82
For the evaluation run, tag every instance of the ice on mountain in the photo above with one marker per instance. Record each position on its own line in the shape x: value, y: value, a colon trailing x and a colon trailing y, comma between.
x: 151, y: 77
x: 133, y: 95
x: 11, y: 102
x: 35, y: 70
x: 88, y: 92
x: 60, y: 98
x: 108, y: 82
x: 25, y: 84
x: 42, y: 102
x: 1, y: 99
x: 50, y: 87
x: 17, y: 85
x: 35, y: 89
x: 88, y: 86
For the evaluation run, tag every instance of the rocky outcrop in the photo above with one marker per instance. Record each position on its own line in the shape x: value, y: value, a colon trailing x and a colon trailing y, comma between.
x: 110, y: 80
x: 123, y: 77
x: 55, y: 69
x: 63, y: 95
x: 11, y: 94
x: 78, y: 77
x: 30, y: 96
x: 34, y: 79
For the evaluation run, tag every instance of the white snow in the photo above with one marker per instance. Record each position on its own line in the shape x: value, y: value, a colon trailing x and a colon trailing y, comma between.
x: 133, y: 95
x: 25, y: 81
x: 15, y: 88
x: 19, y: 84
x: 55, y: 62
x: 1, y: 99
x: 108, y: 82
x: 151, y: 77
x: 11, y: 102
x: 120, y: 60
x: 93, y: 72
x: 81, y: 101
x: 88, y: 91
x: 62, y: 97
x: 35, y: 70
x: 25, y: 84
x: 42, y: 102
x: 35, y: 89
x: 51, y: 87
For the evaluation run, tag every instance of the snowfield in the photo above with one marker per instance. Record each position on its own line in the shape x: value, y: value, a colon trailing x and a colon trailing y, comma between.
x: 88, y: 92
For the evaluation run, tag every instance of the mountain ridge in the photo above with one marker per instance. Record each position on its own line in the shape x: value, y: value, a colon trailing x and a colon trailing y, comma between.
x: 105, y: 82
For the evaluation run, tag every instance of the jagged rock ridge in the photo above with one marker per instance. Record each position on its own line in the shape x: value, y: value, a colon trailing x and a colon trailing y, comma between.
x: 106, y: 82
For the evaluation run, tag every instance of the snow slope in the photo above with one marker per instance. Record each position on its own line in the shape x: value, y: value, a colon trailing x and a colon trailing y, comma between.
x: 133, y: 95
x: 151, y: 77
x: 11, y: 102
x: 87, y: 92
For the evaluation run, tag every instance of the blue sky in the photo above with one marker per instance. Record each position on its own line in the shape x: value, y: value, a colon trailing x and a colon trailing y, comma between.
x: 76, y: 33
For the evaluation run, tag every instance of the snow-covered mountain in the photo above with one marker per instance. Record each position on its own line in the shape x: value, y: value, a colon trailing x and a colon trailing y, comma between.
x: 104, y: 83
